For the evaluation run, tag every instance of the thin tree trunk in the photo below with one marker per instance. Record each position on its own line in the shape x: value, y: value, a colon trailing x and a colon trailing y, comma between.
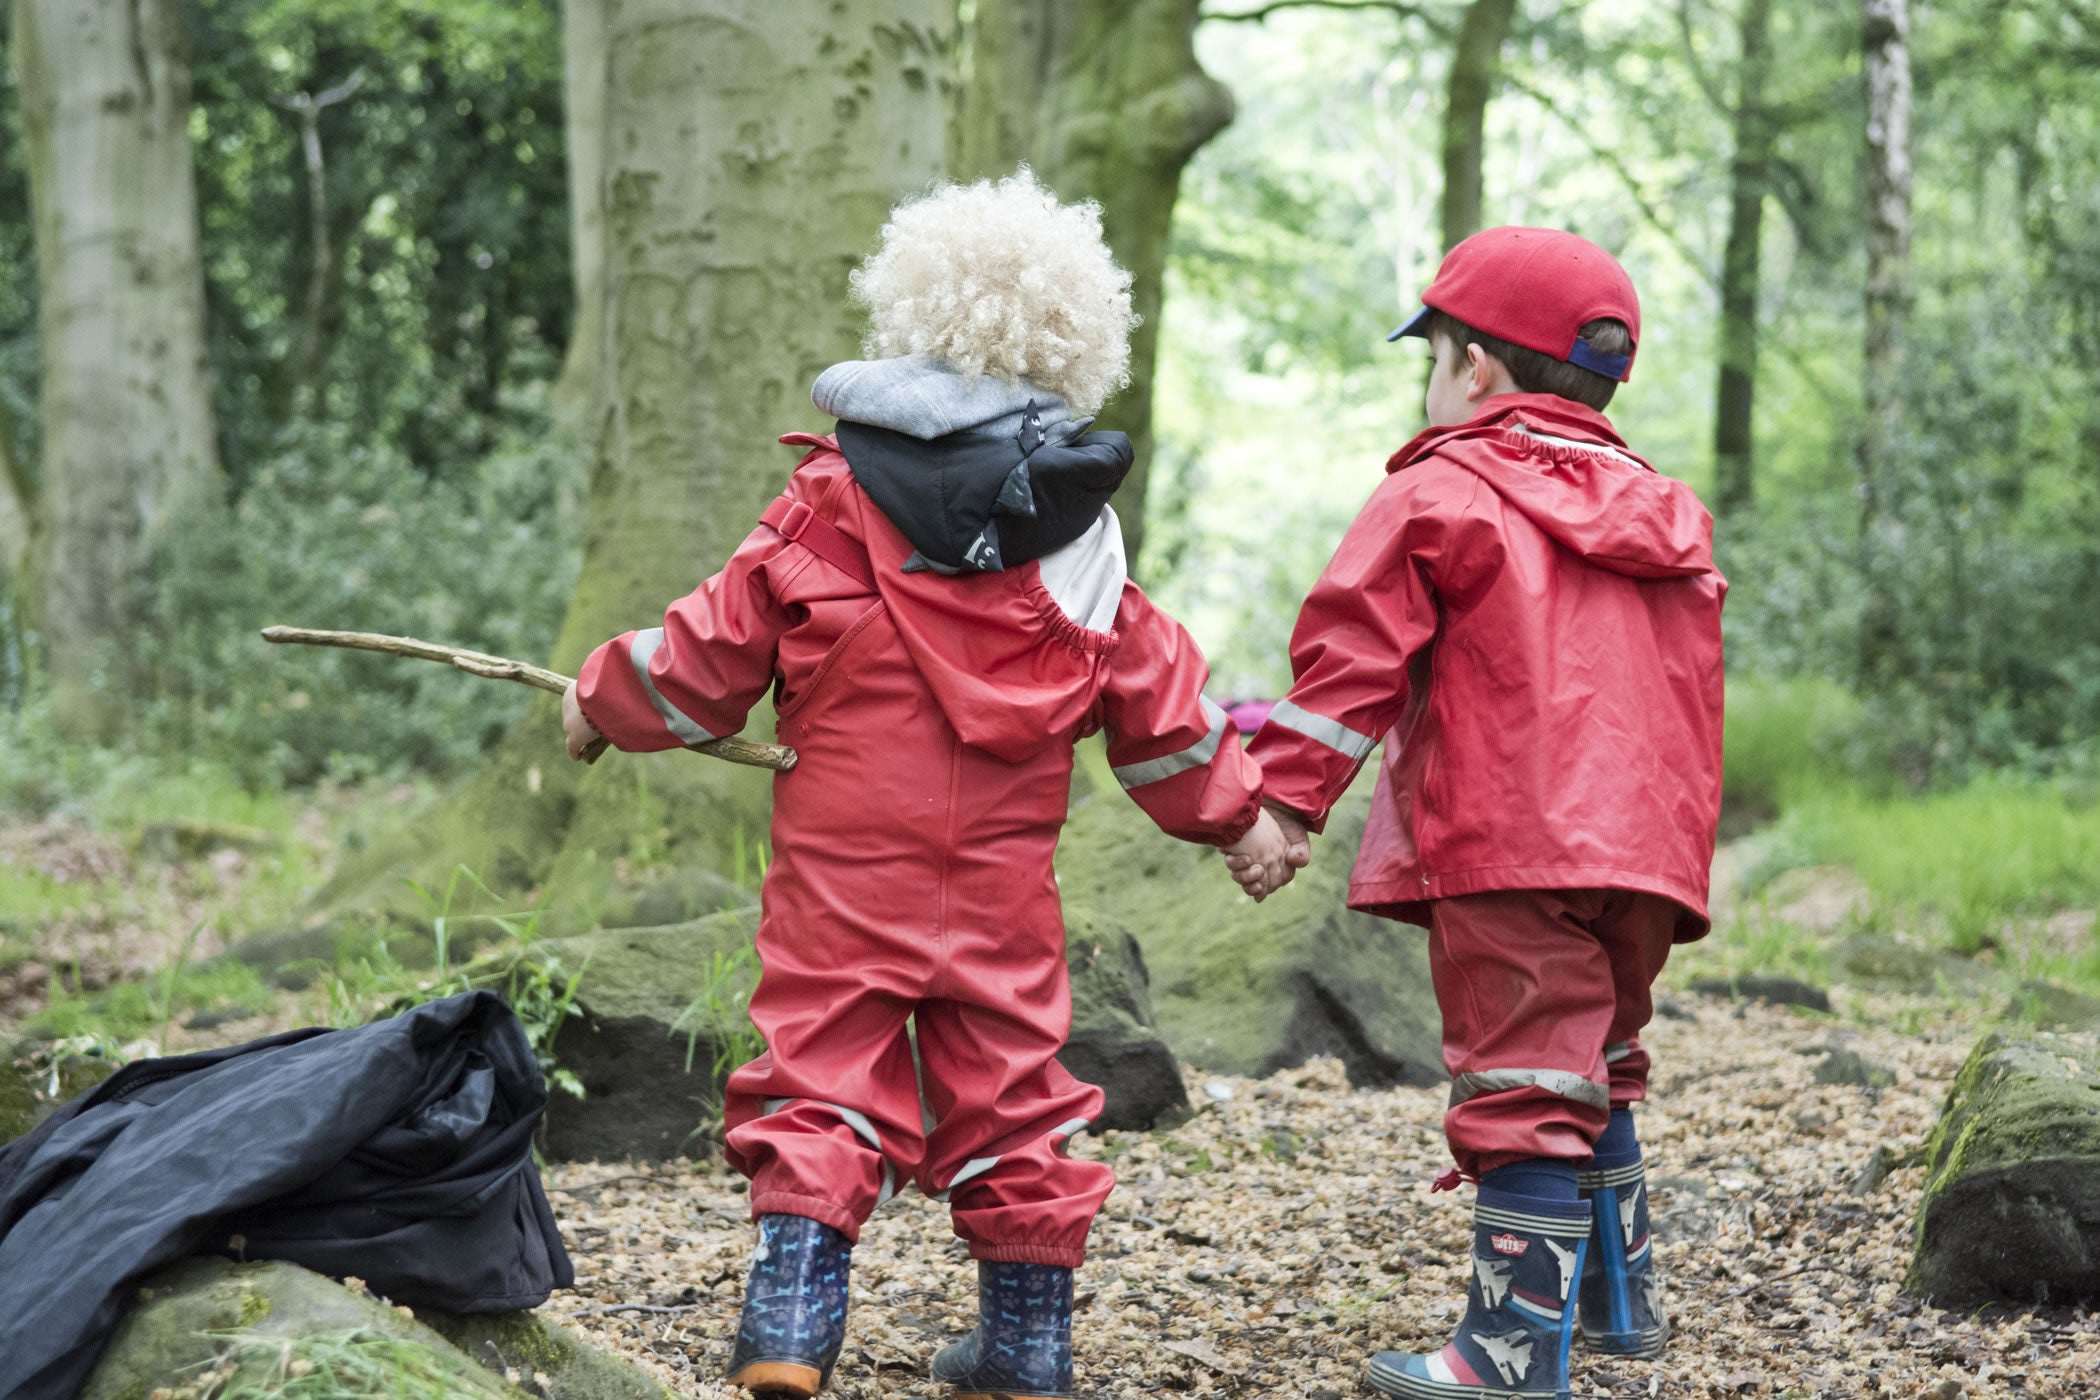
x: 1475, y: 63
x: 1749, y: 179
x: 1885, y: 41
x: 1106, y: 101
x: 128, y: 440
x: 583, y: 109
x: 17, y: 509
x: 752, y: 153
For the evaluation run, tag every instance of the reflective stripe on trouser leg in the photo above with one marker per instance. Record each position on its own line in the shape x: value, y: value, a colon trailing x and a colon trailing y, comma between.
x: 978, y: 1166
x: 862, y: 1129
x: 1565, y: 1083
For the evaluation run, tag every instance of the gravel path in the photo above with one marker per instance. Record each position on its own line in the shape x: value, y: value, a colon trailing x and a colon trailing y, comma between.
x: 1269, y: 1245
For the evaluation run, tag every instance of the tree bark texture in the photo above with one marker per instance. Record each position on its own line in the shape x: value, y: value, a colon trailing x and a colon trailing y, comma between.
x: 1750, y: 178
x: 1106, y: 101
x: 583, y: 116
x: 1475, y: 62
x: 128, y: 444
x: 752, y: 149
x: 1885, y: 43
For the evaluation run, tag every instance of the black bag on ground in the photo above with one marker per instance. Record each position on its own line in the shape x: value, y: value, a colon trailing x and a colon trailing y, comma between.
x: 399, y: 1152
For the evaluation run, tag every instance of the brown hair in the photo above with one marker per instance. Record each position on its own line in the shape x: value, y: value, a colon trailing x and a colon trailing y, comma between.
x: 1536, y: 373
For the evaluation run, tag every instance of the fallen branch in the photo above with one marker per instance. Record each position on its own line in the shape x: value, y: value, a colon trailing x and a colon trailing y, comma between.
x: 777, y: 757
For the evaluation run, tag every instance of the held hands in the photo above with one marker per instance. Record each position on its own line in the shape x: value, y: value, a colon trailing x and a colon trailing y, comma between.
x: 584, y: 740
x: 1265, y: 859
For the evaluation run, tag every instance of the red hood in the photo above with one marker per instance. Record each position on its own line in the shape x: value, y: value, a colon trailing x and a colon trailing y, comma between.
x: 1608, y: 506
x: 1009, y: 670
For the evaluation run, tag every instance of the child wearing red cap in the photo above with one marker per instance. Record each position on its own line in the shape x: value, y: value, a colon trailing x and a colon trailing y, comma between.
x: 1530, y: 617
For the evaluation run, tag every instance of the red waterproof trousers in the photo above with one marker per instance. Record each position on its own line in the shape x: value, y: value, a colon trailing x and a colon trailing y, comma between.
x: 910, y: 890
x: 1544, y: 994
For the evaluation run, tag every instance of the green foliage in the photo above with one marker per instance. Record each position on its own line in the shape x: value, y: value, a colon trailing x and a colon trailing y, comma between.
x: 342, y: 534
x: 446, y: 204
x: 137, y: 1015
x: 722, y: 1013
x: 375, y: 983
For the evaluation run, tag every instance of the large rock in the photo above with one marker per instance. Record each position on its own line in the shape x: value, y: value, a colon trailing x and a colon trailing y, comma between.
x: 651, y: 1004
x: 266, y: 1324
x: 1115, y: 1041
x: 1246, y: 988
x: 2012, y: 1194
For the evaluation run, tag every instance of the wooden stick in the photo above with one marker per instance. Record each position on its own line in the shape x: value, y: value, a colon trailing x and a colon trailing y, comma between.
x: 777, y: 757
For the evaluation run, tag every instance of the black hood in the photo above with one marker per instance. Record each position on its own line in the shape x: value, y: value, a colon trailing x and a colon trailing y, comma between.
x: 986, y: 500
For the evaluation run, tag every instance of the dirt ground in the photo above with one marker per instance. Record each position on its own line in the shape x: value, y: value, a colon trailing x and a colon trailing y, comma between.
x: 1272, y: 1243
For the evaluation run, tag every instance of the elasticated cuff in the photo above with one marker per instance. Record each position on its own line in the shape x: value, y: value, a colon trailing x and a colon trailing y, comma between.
x: 830, y: 1213
x: 1061, y: 1255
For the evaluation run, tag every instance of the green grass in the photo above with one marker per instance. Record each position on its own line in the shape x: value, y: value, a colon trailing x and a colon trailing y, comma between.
x: 129, y: 1012
x: 1783, y: 741
x: 1974, y: 862
x: 339, y: 1366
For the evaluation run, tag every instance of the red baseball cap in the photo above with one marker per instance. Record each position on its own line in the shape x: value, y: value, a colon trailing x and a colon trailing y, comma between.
x: 1535, y: 287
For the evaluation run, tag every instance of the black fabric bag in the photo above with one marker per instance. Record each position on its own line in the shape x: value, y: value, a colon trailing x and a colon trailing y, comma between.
x: 399, y: 1152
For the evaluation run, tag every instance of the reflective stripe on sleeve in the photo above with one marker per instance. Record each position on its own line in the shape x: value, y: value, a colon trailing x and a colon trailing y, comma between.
x: 1196, y: 755
x: 1618, y: 1050
x: 639, y: 651
x: 1565, y: 1083
x: 1333, y: 733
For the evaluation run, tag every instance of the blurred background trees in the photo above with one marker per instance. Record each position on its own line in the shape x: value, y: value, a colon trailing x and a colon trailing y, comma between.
x: 475, y: 319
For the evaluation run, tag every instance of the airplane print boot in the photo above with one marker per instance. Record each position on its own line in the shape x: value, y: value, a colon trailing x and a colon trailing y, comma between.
x: 1022, y: 1348
x: 1620, y: 1308
x: 794, y: 1309
x: 1512, y: 1343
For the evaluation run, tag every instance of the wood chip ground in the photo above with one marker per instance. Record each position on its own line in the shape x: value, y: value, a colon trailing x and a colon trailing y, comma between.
x: 1271, y: 1244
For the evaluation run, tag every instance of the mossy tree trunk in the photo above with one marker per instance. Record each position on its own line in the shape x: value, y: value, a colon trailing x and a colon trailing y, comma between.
x: 1106, y: 101
x: 1750, y: 178
x: 1476, y: 60
x: 751, y: 151
x: 128, y: 441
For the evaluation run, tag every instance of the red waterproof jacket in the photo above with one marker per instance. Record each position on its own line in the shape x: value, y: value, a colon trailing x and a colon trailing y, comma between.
x: 923, y: 662
x: 1529, y: 615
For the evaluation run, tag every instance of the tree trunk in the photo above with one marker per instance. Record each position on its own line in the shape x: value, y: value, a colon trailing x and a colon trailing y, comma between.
x: 1885, y: 42
x: 752, y: 152
x: 17, y: 510
x: 1475, y: 62
x: 583, y: 116
x: 128, y: 449
x: 1105, y: 99
x: 1750, y: 174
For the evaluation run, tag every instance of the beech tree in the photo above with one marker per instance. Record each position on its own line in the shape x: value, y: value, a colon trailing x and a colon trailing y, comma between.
x: 1106, y: 101
x: 748, y: 158
x: 128, y: 441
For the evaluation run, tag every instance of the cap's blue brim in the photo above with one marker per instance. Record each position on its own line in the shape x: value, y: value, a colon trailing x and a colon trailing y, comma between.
x: 1417, y: 325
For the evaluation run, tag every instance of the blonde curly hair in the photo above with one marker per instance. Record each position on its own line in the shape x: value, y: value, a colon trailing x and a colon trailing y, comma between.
x: 997, y: 278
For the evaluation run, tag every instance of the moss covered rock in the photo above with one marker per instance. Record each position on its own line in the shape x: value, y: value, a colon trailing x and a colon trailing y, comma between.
x: 2012, y: 1195
x: 18, y: 1101
x: 562, y: 1367
x: 651, y: 1004
x: 1246, y: 988
x: 277, y: 1323
x: 1115, y: 1041
x: 294, y: 1334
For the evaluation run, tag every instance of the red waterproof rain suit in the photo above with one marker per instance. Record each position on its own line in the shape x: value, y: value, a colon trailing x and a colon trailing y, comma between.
x: 1530, y: 617
x: 911, y: 872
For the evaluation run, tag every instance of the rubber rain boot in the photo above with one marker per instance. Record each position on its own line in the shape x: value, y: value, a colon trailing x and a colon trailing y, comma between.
x: 1620, y: 1309
x: 1512, y: 1343
x: 794, y: 1309
x: 1022, y: 1348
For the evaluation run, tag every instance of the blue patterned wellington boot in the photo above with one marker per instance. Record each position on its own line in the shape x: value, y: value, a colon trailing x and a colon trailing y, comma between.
x: 1022, y: 1348
x: 1620, y: 1310
x: 1512, y: 1343
x: 794, y: 1310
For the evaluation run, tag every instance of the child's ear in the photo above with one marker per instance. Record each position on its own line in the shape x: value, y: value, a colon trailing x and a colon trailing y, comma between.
x: 1480, y: 373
